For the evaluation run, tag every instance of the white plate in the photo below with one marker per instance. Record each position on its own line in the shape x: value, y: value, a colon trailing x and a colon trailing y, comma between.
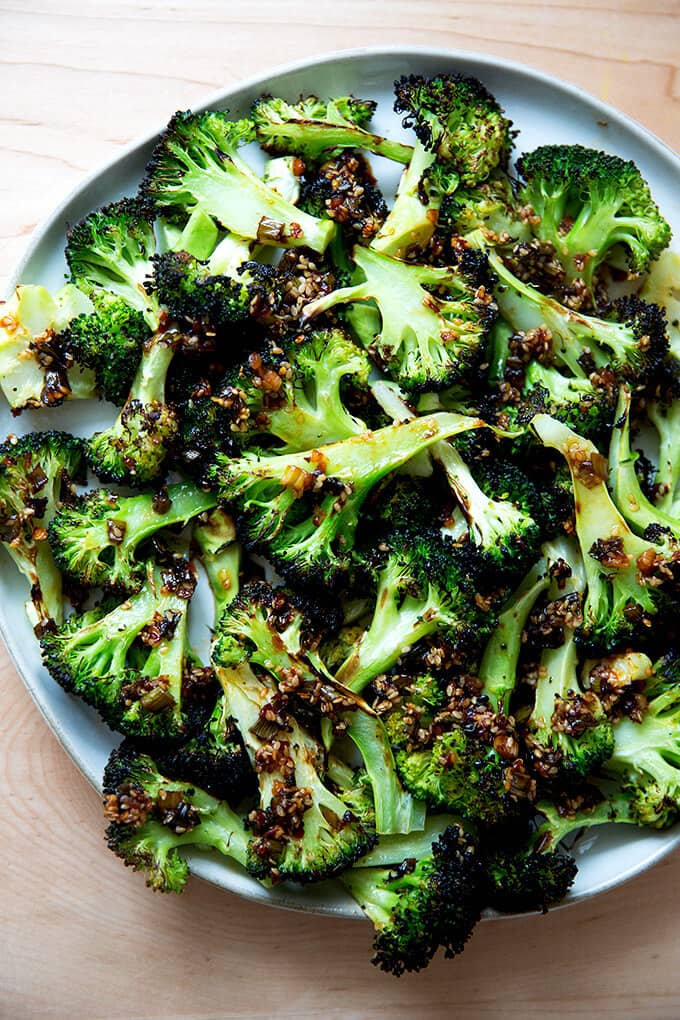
x: 544, y: 110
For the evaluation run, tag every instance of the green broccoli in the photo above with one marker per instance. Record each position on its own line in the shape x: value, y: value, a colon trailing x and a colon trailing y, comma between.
x: 36, y: 476
x: 462, y: 137
x: 196, y: 296
x: 302, y: 830
x: 302, y: 510
x: 214, y: 536
x: 431, y: 323
x: 154, y: 691
x: 588, y: 202
x: 95, y: 539
x: 316, y: 129
x: 294, y: 393
x: 421, y: 905
x: 631, y: 340
x: 152, y: 817
x: 345, y: 191
x: 196, y: 165
x: 627, y: 577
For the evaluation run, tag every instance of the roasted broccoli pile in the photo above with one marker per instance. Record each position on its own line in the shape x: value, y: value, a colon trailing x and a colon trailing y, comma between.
x: 381, y: 579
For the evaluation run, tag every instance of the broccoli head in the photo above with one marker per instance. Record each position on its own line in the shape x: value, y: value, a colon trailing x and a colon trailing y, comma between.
x: 431, y: 322
x: 95, y: 539
x: 197, y: 165
x: 587, y: 202
x: 37, y: 472
x: 152, y: 817
x: 198, y: 297
x: 133, y: 662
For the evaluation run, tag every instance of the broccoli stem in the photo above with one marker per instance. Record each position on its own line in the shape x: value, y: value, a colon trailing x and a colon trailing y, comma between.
x: 398, y: 623
x: 666, y: 421
x: 628, y: 495
x: 396, y: 811
x: 220, y: 555
x: 394, y: 849
x: 498, y: 668
x: 377, y: 902
x: 411, y: 222
x: 46, y: 602
x: 615, y: 808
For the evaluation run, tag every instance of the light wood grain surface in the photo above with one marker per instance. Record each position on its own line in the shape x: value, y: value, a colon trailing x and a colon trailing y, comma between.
x: 81, y: 938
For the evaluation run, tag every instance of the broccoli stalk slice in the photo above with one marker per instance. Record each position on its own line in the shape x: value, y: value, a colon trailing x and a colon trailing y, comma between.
x: 627, y: 346
x: 191, y: 818
x: 196, y: 165
x: 95, y: 541
x: 615, y: 559
x: 411, y: 221
x: 666, y: 421
x: 35, y: 472
x: 316, y: 130
x: 626, y: 490
x: 396, y: 811
x: 421, y: 905
x: 498, y: 668
x: 661, y: 288
x: 646, y: 760
x: 425, y: 341
x: 586, y: 202
x: 220, y: 555
x: 36, y: 370
x: 134, y: 449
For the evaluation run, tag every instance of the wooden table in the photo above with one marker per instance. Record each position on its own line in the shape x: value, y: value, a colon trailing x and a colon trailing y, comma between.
x: 81, y: 937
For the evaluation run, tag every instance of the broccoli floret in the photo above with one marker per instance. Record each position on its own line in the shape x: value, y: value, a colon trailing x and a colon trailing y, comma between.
x: 421, y: 905
x: 214, y: 759
x: 279, y: 631
x: 345, y: 191
x: 638, y: 511
x: 134, y: 450
x: 661, y: 288
x: 294, y: 393
x: 95, y: 539
x: 585, y: 203
x: 158, y: 693
x: 567, y: 732
x: 317, y: 130
x: 462, y: 136
x: 36, y: 476
x: 302, y: 510
x: 196, y: 165
x: 647, y: 755
x: 631, y: 340
x: 36, y: 366
x: 302, y: 830
x: 627, y: 577
x: 585, y: 404
x: 420, y: 592
x: 111, y: 250
x: 193, y: 294
x: 490, y: 205
x: 537, y: 874
x: 152, y: 817
x: 623, y: 681
x: 109, y: 341
x: 498, y: 517
x: 215, y: 538
x: 431, y: 322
